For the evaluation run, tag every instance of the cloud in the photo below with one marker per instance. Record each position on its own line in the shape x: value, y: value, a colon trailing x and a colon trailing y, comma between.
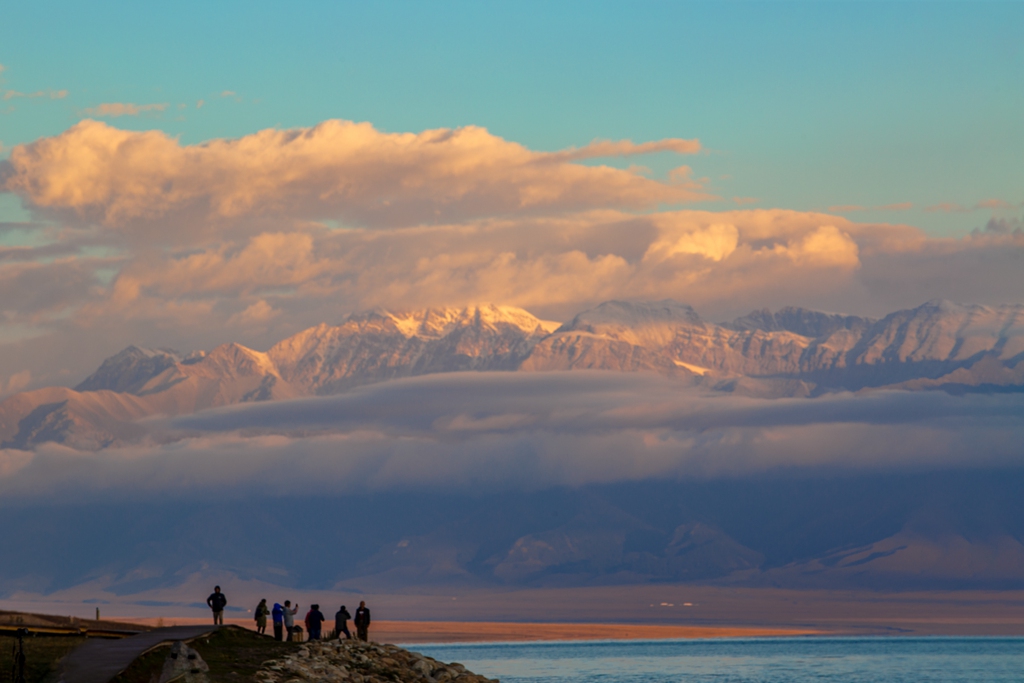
x: 946, y: 207
x: 51, y: 94
x: 715, y: 242
x: 504, y: 431
x: 853, y: 208
x: 540, y: 264
x: 15, y: 382
x: 261, y: 288
x: 115, y: 109
x: 141, y: 239
x: 1001, y: 226
x: 951, y: 207
x: 994, y: 204
x: 625, y: 148
x: 337, y: 169
x: 257, y: 313
x: 825, y: 246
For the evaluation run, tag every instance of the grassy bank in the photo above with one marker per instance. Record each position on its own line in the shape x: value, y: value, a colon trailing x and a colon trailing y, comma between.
x: 233, y: 655
x: 42, y: 654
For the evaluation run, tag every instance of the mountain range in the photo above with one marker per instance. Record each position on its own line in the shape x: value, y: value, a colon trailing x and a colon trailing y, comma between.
x: 889, y: 526
x: 790, y: 352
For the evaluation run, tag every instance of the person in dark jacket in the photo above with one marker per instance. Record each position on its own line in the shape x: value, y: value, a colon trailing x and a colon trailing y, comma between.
x: 262, y: 611
x: 341, y: 618
x: 362, y: 621
x: 217, y: 602
x: 314, y: 622
x: 277, y: 614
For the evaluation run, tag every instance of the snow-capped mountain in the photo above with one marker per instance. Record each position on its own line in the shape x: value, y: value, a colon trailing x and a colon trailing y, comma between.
x: 379, y: 345
x: 939, y: 345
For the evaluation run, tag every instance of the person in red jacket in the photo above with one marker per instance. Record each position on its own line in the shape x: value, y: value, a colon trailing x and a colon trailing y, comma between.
x: 314, y: 621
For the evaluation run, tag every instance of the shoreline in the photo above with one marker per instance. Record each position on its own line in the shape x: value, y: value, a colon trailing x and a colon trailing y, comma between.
x: 447, y: 632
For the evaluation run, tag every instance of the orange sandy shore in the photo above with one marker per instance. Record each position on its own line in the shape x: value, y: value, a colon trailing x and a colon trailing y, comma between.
x: 476, y: 631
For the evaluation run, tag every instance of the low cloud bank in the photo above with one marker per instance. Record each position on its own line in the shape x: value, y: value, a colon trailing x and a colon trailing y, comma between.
x: 498, y: 431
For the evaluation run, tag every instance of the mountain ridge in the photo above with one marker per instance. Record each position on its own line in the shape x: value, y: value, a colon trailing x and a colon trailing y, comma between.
x: 933, y: 346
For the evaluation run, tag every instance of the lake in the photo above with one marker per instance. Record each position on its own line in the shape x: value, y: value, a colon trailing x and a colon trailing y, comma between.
x: 764, y: 660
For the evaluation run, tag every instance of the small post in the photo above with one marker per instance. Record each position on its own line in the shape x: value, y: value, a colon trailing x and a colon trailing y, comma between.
x: 18, y: 665
x: 97, y: 614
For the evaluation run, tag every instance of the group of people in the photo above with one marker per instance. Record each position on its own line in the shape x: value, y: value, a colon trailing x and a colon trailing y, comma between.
x: 283, y: 617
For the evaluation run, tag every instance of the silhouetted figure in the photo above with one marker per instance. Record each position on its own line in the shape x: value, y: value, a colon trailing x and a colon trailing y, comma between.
x: 314, y: 621
x: 341, y: 618
x: 362, y: 621
x: 277, y: 614
x: 217, y: 603
x: 262, y: 612
x: 289, y: 617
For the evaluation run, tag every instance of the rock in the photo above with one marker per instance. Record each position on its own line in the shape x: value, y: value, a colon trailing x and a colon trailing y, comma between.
x: 355, y: 662
x: 183, y: 665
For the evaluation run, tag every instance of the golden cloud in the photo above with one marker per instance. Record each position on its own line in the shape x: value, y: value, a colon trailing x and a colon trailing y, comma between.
x: 337, y: 169
x: 115, y: 109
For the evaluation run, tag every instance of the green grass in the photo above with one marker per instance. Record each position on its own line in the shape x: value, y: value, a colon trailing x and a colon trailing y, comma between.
x: 233, y: 655
x: 42, y: 654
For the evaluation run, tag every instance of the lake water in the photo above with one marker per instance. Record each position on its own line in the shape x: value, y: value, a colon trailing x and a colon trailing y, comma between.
x: 764, y: 660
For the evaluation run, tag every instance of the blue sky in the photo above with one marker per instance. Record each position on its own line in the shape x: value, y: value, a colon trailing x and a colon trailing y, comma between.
x: 799, y: 105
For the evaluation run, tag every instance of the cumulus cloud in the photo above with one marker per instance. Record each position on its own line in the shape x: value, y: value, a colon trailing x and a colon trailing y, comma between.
x: 337, y: 169
x: 547, y: 265
x: 504, y: 431
x: 116, y: 109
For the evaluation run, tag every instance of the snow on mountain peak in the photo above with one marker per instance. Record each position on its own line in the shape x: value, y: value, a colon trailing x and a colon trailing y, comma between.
x: 433, y: 323
x: 645, y: 323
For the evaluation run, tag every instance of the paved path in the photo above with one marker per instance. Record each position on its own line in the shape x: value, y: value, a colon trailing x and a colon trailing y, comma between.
x: 97, y: 660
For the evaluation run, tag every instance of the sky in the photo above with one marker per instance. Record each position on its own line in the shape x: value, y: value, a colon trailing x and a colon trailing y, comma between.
x: 186, y: 175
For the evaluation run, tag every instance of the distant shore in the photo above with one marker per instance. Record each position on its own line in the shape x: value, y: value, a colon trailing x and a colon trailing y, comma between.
x: 493, y: 631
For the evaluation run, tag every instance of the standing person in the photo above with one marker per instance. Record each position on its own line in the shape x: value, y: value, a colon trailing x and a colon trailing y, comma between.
x: 261, y: 616
x: 341, y: 618
x: 314, y: 621
x: 362, y: 621
x: 289, y: 617
x: 278, y: 616
x: 217, y: 602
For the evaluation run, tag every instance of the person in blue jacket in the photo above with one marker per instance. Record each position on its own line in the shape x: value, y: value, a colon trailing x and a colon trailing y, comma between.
x: 277, y: 614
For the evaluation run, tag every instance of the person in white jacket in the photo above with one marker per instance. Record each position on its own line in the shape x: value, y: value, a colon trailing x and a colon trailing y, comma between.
x: 289, y: 617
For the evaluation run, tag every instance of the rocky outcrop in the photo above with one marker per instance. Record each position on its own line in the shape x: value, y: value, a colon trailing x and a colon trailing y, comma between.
x: 342, y: 661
